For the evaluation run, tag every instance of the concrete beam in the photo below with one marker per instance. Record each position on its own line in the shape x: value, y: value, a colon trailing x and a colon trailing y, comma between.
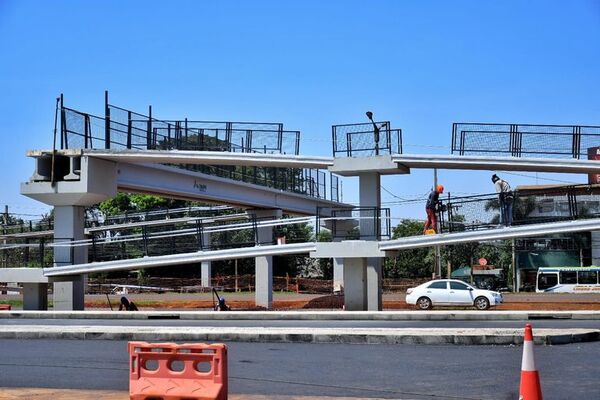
x: 179, y: 259
x: 441, y: 161
x: 197, y: 157
x: 353, y: 166
x: 97, y: 182
x: 533, y: 230
x: 179, y: 183
x: 347, y: 249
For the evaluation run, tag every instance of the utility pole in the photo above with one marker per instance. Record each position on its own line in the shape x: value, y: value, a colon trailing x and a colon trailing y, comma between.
x: 438, y: 254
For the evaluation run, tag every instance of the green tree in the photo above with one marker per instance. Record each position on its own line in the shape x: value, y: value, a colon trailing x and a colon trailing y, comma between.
x: 413, y: 263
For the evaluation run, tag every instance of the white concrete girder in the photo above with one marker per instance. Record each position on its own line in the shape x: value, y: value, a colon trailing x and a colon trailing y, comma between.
x: 179, y: 183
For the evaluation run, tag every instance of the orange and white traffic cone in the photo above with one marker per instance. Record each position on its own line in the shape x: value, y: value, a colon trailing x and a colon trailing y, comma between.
x: 530, y: 388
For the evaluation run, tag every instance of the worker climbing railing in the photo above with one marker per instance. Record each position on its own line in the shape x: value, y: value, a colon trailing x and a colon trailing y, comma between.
x: 529, y: 206
x: 524, y: 140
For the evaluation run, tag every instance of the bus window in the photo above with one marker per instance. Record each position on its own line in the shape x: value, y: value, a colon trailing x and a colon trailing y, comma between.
x: 546, y: 281
x: 568, y: 277
x: 587, y: 277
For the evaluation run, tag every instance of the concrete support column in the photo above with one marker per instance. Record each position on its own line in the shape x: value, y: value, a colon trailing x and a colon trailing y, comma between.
x: 370, y: 196
x: 355, y: 278
x: 206, y: 266
x: 338, y: 273
x: 369, y: 187
x: 35, y: 296
x: 264, y: 265
x: 374, y: 283
x: 69, y: 224
x: 595, y: 247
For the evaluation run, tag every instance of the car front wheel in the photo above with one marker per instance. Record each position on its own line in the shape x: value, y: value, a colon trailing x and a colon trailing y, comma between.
x: 424, y: 303
x: 482, y: 303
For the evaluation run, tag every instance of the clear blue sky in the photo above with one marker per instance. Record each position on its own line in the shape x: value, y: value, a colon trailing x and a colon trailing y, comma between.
x: 308, y: 64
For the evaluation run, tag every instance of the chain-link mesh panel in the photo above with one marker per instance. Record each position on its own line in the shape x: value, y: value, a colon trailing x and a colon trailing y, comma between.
x: 355, y: 222
x: 521, y: 140
x: 364, y: 140
x: 528, y: 207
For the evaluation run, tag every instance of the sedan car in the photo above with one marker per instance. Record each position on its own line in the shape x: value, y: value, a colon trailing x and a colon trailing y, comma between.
x: 451, y: 292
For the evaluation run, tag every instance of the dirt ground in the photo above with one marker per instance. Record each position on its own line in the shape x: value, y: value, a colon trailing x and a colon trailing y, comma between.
x: 305, y: 301
x: 294, y: 301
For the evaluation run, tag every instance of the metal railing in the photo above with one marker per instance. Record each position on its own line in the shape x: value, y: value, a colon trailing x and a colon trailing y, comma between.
x: 124, y: 129
x: 524, y: 140
x: 530, y: 206
x: 363, y: 140
x: 352, y: 223
x: 121, y: 128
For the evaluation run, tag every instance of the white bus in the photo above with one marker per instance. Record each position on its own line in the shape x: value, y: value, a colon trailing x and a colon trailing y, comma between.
x: 568, y: 280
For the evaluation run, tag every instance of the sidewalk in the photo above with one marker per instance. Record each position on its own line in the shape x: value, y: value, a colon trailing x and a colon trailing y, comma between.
x: 74, y: 394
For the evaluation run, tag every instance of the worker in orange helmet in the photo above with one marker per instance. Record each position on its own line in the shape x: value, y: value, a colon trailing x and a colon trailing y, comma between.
x: 431, y: 208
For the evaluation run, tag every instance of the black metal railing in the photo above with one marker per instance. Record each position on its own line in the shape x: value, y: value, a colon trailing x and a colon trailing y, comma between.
x: 27, y: 226
x: 121, y: 128
x: 363, y: 140
x: 124, y: 129
x: 353, y: 223
x: 530, y: 206
x: 334, y: 187
x: 524, y: 140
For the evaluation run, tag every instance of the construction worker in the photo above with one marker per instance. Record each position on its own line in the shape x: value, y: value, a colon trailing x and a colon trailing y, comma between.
x: 506, y: 198
x: 431, y: 209
x: 127, y: 305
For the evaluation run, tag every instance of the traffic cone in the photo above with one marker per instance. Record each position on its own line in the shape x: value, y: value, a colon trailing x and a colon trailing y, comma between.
x: 530, y: 388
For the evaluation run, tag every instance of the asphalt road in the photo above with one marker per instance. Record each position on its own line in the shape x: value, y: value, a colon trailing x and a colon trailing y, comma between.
x: 372, y: 371
x: 550, y: 323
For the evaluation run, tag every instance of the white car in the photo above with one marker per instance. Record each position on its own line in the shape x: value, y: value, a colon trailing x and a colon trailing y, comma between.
x: 451, y: 292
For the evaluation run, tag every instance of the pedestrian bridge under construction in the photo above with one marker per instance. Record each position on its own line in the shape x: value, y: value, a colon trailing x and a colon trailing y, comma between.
x: 257, y: 166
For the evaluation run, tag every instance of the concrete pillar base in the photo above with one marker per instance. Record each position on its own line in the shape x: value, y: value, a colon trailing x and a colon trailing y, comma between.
x: 206, y: 273
x: 35, y: 296
x: 338, y: 274
x: 69, y: 295
x: 355, y: 277
x: 374, y: 284
x: 264, y: 282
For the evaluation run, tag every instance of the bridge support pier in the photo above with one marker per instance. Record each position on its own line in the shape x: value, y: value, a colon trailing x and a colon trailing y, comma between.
x: 263, y: 278
x: 35, y: 296
x: 338, y: 274
x: 69, y: 224
x: 206, y: 266
x: 355, y: 289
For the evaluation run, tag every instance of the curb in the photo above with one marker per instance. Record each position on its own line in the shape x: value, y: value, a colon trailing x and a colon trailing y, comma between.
x: 309, y: 315
x: 421, y: 336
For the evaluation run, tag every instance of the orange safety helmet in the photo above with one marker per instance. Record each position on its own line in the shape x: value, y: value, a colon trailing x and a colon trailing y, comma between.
x: 440, y: 188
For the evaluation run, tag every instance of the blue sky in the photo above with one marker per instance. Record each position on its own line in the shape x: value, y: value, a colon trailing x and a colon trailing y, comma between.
x: 308, y: 64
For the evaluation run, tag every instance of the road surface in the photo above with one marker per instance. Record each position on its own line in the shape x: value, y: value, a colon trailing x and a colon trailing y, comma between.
x: 360, y: 371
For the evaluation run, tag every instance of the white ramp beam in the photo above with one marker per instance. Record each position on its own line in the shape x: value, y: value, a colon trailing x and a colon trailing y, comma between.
x: 442, y: 161
x: 533, y: 230
x: 180, y: 259
x: 179, y: 183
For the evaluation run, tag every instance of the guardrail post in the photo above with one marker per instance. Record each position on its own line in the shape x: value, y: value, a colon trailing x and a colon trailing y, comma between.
x: 149, y: 129
x: 129, y: 129
x: 94, y: 248
x: 576, y: 146
x: 63, y: 125
x: 106, y: 121
x: 42, y: 252
x: 145, y: 239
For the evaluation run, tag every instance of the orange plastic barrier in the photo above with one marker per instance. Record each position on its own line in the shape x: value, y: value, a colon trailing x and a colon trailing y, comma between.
x: 5, y: 307
x: 169, y: 371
